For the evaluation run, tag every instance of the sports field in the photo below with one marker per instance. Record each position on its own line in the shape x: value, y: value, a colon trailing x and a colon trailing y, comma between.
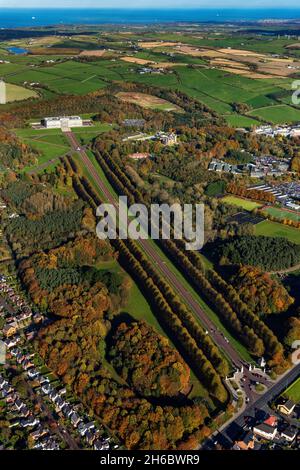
x: 240, y: 202
x: 293, y: 392
x: 275, y: 229
x: 282, y: 213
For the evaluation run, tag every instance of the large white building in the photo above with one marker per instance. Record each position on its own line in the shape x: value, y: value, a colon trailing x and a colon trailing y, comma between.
x: 62, y: 122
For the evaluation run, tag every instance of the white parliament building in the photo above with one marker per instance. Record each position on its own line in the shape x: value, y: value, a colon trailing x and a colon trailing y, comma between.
x: 62, y: 122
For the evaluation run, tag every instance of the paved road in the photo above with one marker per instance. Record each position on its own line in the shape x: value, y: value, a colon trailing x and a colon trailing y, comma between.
x: 296, y: 267
x: 160, y: 264
x: 255, y: 410
x: 55, y: 424
x: 154, y: 255
x: 44, y: 165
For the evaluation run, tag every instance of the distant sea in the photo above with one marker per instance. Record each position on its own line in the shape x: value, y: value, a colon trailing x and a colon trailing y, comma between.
x: 16, y: 18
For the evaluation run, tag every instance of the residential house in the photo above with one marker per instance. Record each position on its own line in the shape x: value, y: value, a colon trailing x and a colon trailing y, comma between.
x: 271, y: 421
x: 40, y: 432
x: 289, y: 433
x: 265, y: 431
x: 75, y: 419
x: 287, y: 407
x: 246, y: 442
x: 10, y: 329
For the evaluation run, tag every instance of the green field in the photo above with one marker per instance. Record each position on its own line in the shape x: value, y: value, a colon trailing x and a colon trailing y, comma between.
x: 273, y: 45
x: 236, y: 120
x: 218, y: 90
x: 280, y: 113
x: 18, y: 93
x: 70, y: 76
x: 51, y: 143
x: 244, y: 203
x: 282, y: 213
x: 293, y: 392
x: 275, y: 229
x: 215, y: 88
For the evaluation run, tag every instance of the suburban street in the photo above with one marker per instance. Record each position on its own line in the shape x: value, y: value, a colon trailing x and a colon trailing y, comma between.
x: 228, y: 434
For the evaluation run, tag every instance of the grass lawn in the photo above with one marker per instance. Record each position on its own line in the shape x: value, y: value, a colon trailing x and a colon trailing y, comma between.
x: 240, y: 202
x: 282, y: 213
x: 18, y: 93
x: 293, y: 392
x: 50, y: 145
x: 86, y: 134
x: 275, y: 229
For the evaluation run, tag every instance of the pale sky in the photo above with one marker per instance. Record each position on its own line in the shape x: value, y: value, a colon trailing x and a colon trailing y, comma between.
x: 148, y: 4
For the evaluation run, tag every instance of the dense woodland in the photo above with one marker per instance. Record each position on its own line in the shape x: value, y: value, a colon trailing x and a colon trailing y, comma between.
x: 14, y: 154
x: 262, y: 293
x: 69, y: 282
x: 267, y: 253
x: 124, y: 372
x: 252, y: 331
x: 146, y: 361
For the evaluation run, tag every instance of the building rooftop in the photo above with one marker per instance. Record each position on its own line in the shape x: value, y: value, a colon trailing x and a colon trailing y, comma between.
x: 58, y: 118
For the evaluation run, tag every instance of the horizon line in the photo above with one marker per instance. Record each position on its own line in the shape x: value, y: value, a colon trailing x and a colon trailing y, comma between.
x: 150, y: 8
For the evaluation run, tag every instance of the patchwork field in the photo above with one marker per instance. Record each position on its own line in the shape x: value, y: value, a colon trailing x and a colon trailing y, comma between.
x: 217, y: 71
x: 140, y: 61
x: 69, y: 77
x: 274, y: 44
x: 244, y: 203
x: 249, y: 63
x: 93, y: 53
x: 275, y: 229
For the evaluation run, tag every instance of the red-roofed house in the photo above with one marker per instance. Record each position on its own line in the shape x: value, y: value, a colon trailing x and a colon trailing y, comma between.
x: 271, y: 421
